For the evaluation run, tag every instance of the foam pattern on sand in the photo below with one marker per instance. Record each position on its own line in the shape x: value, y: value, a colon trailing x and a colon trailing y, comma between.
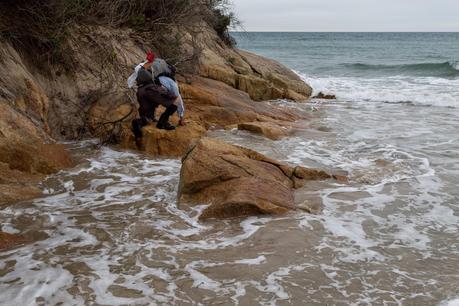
x: 109, y: 231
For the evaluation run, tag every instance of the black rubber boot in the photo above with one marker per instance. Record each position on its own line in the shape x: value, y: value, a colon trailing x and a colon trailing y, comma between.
x: 163, y: 122
x: 137, y: 128
x: 168, y: 126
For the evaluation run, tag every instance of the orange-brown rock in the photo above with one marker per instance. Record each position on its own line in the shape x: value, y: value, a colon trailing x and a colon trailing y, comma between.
x: 22, y: 166
x: 35, y: 159
x: 269, y: 129
x: 236, y: 181
x: 8, y: 241
x: 279, y: 76
x: 216, y: 103
x: 27, y: 151
x: 262, y: 78
x: 301, y: 175
x: 209, y: 103
x: 22, y: 188
x: 164, y: 143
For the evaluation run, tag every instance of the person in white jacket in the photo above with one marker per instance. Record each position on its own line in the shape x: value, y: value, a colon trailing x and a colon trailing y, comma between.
x: 165, y: 74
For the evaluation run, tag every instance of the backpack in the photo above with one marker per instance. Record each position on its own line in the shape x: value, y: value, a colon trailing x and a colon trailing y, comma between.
x: 144, y: 77
x: 162, y: 68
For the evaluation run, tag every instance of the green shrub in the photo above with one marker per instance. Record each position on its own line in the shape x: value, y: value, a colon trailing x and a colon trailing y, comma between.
x: 41, y: 24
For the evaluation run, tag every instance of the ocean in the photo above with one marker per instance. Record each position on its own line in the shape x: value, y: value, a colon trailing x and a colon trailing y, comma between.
x: 109, y: 232
x: 417, y: 68
x: 395, y: 127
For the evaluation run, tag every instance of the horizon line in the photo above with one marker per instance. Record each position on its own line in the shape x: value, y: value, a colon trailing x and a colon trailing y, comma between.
x: 451, y: 32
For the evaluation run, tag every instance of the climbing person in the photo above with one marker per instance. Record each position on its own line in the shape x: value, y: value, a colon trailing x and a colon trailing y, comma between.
x: 165, y: 74
x: 150, y: 96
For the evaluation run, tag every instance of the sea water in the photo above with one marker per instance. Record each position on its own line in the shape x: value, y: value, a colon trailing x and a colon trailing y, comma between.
x: 418, y: 68
x: 109, y: 231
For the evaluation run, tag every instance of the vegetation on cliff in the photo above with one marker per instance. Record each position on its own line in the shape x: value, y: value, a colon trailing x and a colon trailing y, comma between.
x: 44, y: 26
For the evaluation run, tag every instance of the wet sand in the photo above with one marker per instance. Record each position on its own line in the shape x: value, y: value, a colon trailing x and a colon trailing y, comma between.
x: 109, y: 232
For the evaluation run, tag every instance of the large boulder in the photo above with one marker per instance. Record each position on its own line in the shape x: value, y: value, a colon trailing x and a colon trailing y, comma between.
x: 262, y: 78
x: 279, y: 76
x: 217, y: 104
x: 165, y: 143
x: 236, y: 181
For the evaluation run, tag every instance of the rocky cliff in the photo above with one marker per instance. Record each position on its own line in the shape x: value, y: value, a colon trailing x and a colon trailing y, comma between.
x: 41, y: 104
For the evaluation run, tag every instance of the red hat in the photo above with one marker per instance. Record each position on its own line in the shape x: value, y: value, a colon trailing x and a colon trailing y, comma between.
x: 150, y: 56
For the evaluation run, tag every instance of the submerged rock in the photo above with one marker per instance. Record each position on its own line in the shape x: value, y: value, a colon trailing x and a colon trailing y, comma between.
x: 321, y: 95
x: 236, y: 181
x: 268, y: 129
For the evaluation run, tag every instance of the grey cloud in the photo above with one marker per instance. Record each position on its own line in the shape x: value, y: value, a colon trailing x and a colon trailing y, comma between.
x: 348, y: 15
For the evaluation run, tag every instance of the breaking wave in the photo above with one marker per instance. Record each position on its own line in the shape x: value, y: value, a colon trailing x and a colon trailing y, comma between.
x: 424, y: 91
x: 445, y: 69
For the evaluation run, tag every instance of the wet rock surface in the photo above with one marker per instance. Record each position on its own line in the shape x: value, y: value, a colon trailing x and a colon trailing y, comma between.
x: 321, y: 95
x: 270, y: 130
x: 210, y: 104
x: 262, y: 78
x: 8, y: 241
x: 23, y: 166
x: 174, y: 143
x: 237, y: 182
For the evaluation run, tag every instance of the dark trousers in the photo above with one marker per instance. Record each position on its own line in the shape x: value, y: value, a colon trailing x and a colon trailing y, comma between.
x: 150, y: 97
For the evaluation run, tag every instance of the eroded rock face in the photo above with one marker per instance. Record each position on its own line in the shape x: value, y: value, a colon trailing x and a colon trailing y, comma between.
x: 236, y: 181
x: 27, y: 151
x: 263, y: 79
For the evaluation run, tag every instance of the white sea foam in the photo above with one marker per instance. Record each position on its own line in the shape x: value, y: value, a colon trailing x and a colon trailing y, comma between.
x: 397, y: 89
x: 255, y: 261
x: 454, y: 302
x: 162, y: 252
x: 7, y: 228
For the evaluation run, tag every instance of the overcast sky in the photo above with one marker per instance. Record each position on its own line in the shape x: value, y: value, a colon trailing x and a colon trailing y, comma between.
x: 348, y: 15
